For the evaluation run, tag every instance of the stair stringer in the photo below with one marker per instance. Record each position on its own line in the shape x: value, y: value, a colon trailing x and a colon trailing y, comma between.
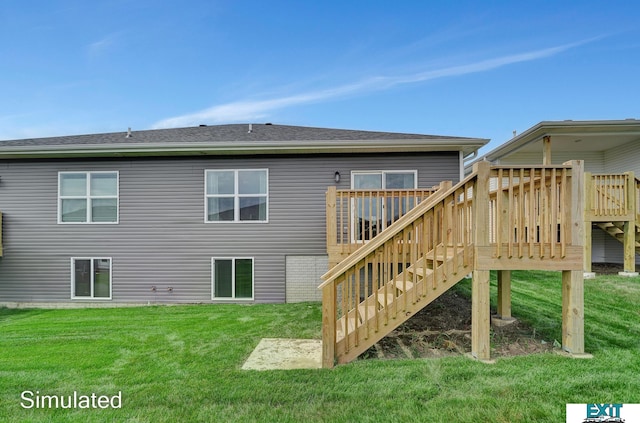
x: 614, y: 230
x: 367, y: 333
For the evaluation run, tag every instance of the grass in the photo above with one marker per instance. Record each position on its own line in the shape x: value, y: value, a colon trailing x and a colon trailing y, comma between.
x: 182, y: 363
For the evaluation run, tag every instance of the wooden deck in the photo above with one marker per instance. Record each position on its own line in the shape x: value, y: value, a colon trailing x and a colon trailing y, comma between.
x: 498, y: 218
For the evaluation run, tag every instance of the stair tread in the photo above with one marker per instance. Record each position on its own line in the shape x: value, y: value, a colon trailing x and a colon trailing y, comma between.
x: 370, y: 311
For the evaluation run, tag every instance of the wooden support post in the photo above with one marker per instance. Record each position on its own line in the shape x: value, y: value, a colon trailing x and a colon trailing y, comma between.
x: 630, y: 227
x: 573, y: 280
x: 588, y: 230
x: 504, y: 294
x: 329, y: 325
x: 332, y: 226
x: 573, y: 312
x: 480, y: 311
x: 480, y: 316
x: 546, y: 150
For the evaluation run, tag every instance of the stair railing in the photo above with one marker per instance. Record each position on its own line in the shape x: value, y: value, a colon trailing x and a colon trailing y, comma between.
x: 607, y: 196
x: 371, y: 287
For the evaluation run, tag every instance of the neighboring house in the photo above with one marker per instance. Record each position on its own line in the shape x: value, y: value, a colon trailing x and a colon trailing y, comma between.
x: 194, y: 215
x: 607, y: 147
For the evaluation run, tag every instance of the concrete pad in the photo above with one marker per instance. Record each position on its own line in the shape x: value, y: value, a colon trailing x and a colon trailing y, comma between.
x: 501, y: 322
x: 628, y: 274
x: 589, y: 275
x: 285, y: 354
x: 578, y: 356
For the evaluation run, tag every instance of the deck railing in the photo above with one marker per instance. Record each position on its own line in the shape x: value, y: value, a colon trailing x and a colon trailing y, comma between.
x: 611, y: 197
x: 528, y: 211
x: 357, y: 216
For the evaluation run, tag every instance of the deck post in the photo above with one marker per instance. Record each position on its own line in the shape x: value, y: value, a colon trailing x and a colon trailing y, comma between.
x: 480, y: 311
x: 573, y: 280
x: 546, y: 150
x: 329, y: 325
x: 331, y: 225
x: 630, y: 228
x: 573, y: 312
x: 504, y: 294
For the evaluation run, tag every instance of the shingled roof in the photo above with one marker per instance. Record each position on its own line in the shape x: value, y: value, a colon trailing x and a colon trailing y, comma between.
x: 234, y: 139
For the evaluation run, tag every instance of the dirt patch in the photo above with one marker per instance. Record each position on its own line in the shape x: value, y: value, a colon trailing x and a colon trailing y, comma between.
x: 606, y: 268
x: 443, y: 328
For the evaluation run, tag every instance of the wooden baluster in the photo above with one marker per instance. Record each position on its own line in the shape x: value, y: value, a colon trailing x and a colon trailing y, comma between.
x: 521, y: 216
x: 532, y: 208
x: 554, y: 213
x: 564, y: 225
x: 497, y: 215
x: 511, y: 212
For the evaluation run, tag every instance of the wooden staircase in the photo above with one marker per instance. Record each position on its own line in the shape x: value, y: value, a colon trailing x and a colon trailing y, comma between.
x: 395, y: 302
x: 616, y: 230
x: 497, y: 218
x: 612, y: 204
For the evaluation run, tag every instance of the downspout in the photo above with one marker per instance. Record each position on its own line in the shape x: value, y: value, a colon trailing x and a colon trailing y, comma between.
x: 464, y: 159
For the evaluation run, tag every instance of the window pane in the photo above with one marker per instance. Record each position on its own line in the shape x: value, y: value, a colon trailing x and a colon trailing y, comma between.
x: 399, y: 180
x: 104, y: 184
x: 74, y: 211
x: 253, y: 208
x: 222, y: 278
x: 367, y: 181
x: 104, y: 210
x: 220, y: 182
x: 244, y: 278
x: 73, y: 184
x: 82, y: 278
x: 102, y: 278
x: 252, y: 182
x: 220, y: 209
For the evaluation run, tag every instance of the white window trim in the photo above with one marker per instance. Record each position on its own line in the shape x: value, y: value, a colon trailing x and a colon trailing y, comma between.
x: 233, y: 276
x: 236, y: 197
x: 73, y: 279
x: 352, y: 206
x: 88, y: 197
x: 382, y: 173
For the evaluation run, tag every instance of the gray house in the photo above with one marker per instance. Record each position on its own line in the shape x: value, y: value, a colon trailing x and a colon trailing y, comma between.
x: 192, y: 215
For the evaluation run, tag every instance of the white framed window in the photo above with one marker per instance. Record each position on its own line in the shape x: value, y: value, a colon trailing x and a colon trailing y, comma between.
x: 236, y: 195
x: 371, y: 216
x: 232, y: 278
x: 88, y: 197
x: 91, y: 278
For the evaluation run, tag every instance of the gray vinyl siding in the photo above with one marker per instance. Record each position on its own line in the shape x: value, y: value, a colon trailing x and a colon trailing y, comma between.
x: 594, y: 161
x: 625, y: 158
x: 162, y: 239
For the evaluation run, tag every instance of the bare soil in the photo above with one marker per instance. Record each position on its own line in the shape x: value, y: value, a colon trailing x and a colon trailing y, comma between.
x: 607, y: 268
x: 443, y: 328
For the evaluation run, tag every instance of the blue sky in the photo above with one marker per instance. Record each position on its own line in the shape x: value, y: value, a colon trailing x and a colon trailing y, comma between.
x: 464, y: 68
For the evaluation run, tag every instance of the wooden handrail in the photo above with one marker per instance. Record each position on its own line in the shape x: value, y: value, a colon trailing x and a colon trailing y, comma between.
x: 390, y: 231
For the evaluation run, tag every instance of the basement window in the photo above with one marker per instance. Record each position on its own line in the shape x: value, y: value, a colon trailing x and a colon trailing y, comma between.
x: 91, y: 278
x: 232, y: 278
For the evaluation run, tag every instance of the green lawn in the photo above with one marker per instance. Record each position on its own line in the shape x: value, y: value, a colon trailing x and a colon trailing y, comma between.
x: 182, y: 363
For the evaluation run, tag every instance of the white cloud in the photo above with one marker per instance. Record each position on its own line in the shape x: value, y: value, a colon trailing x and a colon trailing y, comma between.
x: 251, y: 110
x: 100, y: 46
